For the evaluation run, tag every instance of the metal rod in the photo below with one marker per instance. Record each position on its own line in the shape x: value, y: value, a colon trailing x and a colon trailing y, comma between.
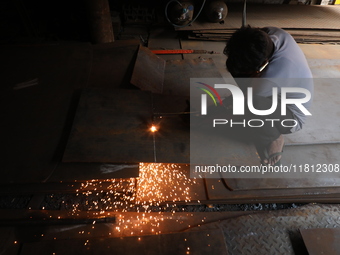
x: 47, y: 221
x: 181, y: 51
x: 172, y: 113
x: 244, y: 15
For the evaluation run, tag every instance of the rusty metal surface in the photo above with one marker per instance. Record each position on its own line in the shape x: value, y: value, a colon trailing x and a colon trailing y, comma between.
x: 322, y: 240
x: 219, y: 58
x: 172, y: 140
x: 148, y: 73
x: 218, y: 190
x: 275, y: 232
x: 282, y: 183
x: 200, y: 243
x: 315, y: 155
x: 178, y: 74
x: 299, y: 35
x: 91, y: 171
x: 323, y: 125
x: 326, y: 68
x: 226, y: 147
x: 321, y: 52
x: 161, y: 38
x: 37, y: 118
x: 112, y: 64
x: 7, y: 239
x: 113, y: 126
x: 284, y: 16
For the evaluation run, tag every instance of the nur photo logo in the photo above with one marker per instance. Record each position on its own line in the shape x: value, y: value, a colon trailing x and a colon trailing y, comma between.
x: 240, y: 101
x: 210, y: 91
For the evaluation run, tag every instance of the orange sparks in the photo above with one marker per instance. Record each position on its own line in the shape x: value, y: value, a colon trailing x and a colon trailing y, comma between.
x: 153, y: 129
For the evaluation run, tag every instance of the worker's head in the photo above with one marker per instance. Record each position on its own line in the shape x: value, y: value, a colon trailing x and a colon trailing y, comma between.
x: 248, y: 51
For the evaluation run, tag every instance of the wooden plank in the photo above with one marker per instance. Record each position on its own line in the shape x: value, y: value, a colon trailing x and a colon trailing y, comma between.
x: 148, y: 72
x: 322, y: 240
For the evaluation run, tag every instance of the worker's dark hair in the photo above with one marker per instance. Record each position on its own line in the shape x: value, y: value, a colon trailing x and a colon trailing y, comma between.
x: 246, y: 51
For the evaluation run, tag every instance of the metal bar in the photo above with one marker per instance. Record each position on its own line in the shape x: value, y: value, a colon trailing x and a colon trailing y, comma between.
x: 244, y: 14
x: 179, y: 51
x: 47, y: 221
x: 172, y: 51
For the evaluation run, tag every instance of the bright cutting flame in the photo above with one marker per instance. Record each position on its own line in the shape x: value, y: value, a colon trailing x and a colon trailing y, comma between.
x: 153, y: 128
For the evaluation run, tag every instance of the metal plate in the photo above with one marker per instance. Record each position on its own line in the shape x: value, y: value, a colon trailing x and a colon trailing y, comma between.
x: 89, y: 171
x: 319, y: 52
x: 273, y: 183
x: 218, y: 190
x: 112, y: 64
x: 275, y: 232
x: 322, y: 240
x: 219, y: 58
x: 200, y: 243
x: 179, y: 72
x: 112, y: 126
x: 298, y: 156
x: 326, y: 68
x: 324, y: 124
x: 161, y: 38
x: 284, y: 16
x: 148, y: 73
x: 36, y: 117
x: 172, y: 140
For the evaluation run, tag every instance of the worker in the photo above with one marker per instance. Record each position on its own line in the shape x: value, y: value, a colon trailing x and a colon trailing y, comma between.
x: 271, y: 54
